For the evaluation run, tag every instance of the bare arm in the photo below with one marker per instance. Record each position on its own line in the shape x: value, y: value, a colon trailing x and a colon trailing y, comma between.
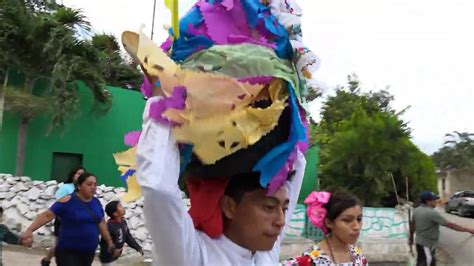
x: 460, y: 228
x: 42, y: 219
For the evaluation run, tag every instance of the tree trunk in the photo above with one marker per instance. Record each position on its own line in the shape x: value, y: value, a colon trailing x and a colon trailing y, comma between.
x: 21, y: 146
x: 2, y: 98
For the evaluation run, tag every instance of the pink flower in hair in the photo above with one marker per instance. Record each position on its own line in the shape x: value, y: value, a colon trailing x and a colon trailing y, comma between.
x: 315, y: 208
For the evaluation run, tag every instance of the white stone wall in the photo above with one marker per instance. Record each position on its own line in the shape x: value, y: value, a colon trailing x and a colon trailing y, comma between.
x: 22, y: 199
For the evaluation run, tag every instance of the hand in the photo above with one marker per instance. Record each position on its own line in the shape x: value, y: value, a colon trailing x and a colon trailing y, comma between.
x: 26, y: 239
x: 111, y: 246
x: 471, y: 231
x: 117, y: 253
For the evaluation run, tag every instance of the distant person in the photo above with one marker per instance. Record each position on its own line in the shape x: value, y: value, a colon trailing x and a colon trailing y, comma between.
x: 339, y: 216
x: 118, y: 230
x: 6, y: 235
x: 63, y: 190
x: 425, y: 224
x: 82, y: 219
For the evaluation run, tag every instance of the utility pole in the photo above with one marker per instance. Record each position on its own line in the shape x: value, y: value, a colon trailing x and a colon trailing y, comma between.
x: 153, y: 21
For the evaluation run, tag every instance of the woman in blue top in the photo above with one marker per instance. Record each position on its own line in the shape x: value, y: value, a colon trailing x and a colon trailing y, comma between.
x: 65, y: 189
x: 82, y: 219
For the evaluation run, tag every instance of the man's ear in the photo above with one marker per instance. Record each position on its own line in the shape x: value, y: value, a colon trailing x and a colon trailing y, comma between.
x: 228, y: 206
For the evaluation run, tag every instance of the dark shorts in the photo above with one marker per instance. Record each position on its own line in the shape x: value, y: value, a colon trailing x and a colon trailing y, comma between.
x: 425, y: 256
x: 57, y: 225
x: 67, y: 257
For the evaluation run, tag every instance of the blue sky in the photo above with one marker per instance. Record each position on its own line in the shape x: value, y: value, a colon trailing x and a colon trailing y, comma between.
x: 421, y: 50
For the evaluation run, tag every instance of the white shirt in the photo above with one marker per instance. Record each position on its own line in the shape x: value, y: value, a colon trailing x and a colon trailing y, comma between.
x: 176, y: 241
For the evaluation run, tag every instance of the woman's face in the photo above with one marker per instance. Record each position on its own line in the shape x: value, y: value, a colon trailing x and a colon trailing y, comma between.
x: 77, y: 174
x: 88, y: 187
x: 346, y: 227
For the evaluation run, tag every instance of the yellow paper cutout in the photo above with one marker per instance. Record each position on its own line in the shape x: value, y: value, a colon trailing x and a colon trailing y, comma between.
x: 172, y: 5
x: 126, y: 161
x: 221, y: 135
x: 218, y: 118
x: 133, y: 192
x: 126, y: 158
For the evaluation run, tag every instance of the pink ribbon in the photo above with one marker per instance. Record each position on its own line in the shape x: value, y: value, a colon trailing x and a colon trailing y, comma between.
x: 315, y: 209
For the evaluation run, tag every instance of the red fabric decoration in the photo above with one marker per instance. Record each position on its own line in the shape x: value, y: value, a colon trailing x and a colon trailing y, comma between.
x: 205, y: 196
x: 304, y: 260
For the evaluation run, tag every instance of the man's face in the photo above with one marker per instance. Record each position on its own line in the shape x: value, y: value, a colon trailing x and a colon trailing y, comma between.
x: 256, y: 222
x: 432, y: 203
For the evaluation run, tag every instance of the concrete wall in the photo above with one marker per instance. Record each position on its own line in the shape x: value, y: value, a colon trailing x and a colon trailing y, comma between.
x: 454, y: 180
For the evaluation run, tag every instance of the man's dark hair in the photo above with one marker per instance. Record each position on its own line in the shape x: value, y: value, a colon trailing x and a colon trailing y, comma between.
x: 241, y: 184
x: 244, y: 183
x: 111, y: 207
x: 339, y: 202
x: 70, y: 176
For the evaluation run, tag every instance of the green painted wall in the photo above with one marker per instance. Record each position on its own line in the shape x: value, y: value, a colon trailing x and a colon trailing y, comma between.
x: 96, y: 137
x: 8, y: 140
x: 310, y: 181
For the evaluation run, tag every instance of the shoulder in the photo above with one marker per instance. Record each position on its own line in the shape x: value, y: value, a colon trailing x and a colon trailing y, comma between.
x: 64, y: 199
x: 96, y: 201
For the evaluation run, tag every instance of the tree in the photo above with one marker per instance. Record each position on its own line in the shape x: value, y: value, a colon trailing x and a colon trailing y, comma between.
x: 44, y: 44
x: 115, y: 69
x: 364, y: 143
x: 457, y: 152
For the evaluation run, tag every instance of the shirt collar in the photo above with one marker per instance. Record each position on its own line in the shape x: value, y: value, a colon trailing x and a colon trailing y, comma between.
x: 241, y: 251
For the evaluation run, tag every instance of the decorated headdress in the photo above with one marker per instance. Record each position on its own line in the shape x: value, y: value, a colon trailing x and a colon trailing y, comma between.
x: 233, y: 74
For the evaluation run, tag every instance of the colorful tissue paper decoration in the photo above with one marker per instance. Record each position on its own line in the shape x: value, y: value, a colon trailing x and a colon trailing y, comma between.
x: 126, y: 162
x: 227, y: 74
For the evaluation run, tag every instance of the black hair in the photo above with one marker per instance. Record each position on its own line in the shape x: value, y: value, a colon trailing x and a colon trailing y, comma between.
x: 1, y: 209
x: 247, y: 182
x: 111, y: 207
x: 70, y: 176
x: 339, y: 202
x: 82, y: 178
x: 241, y: 184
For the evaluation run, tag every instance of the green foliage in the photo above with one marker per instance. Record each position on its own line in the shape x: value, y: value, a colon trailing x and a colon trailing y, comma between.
x: 364, y: 142
x: 457, y: 153
x: 45, y: 43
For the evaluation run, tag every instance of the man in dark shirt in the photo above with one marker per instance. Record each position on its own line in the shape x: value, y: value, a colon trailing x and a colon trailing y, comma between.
x: 119, y: 232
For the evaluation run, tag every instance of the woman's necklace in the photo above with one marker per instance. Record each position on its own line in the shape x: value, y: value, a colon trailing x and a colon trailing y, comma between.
x: 333, y: 258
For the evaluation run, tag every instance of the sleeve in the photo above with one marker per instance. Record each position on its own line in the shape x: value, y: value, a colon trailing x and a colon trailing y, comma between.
x: 113, y: 233
x: 58, y: 208
x: 10, y: 237
x: 130, y: 240
x: 61, y: 192
x: 438, y: 218
x: 100, y: 209
x: 293, y: 187
x: 166, y: 218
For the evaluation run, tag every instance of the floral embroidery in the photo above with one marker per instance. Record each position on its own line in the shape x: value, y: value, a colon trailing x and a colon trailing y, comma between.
x: 315, y: 253
x: 315, y: 256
